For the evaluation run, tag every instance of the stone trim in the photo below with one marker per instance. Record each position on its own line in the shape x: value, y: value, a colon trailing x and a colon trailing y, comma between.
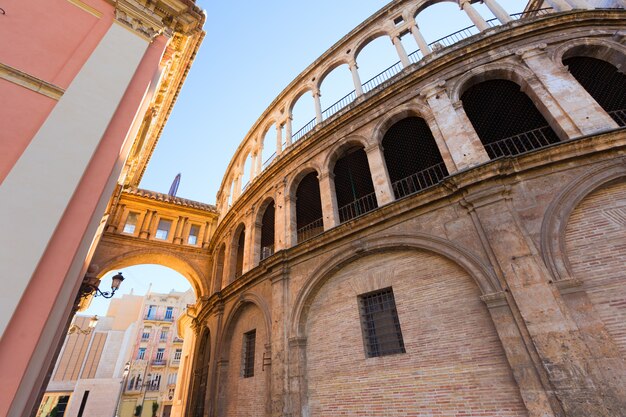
x: 82, y: 5
x: 15, y: 76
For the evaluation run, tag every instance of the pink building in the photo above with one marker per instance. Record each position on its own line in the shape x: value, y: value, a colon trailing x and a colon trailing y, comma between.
x: 76, y: 79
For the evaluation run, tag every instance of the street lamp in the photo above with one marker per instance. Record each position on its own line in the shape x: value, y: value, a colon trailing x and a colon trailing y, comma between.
x: 74, y: 328
x: 89, y: 286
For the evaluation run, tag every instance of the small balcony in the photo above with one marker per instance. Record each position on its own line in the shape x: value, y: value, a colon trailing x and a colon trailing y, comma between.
x: 158, y: 317
x: 159, y: 362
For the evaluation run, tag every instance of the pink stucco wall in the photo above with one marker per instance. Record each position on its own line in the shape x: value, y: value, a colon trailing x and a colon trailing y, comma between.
x: 59, y: 60
x: 49, y: 40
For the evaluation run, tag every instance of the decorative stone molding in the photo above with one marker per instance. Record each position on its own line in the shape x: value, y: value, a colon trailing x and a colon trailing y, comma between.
x: 15, y: 76
x: 496, y: 299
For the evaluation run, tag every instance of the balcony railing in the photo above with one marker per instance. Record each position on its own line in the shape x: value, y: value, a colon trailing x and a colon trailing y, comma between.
x: 158, y: 317
x: 177, y: 340
x: 358, y: 207
x: 619, y: 116
x: 397, y: 68
x: 267, y: 251
x: 419, y: 181
x: 523, y: 142
x: 310, y: 230
x: 159, y: 362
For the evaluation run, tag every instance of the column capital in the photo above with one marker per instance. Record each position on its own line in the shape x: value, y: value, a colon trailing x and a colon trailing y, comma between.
x: 532, y: 50
x: 433, y: 89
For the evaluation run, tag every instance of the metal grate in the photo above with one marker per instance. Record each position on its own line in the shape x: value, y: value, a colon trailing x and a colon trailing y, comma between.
x: 249, y: 340
x: 308, y: 208
x: 603, y: 82
x: 240, y: 251
x: 501, y: 112
x: 353, y: 185
x: 267, y: 231
x: 380, y: 324
x: 412, y: 157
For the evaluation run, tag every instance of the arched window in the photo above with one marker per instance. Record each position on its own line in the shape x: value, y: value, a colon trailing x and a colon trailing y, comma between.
x: 267, y: 231
x: 353, y: 185
x: 239, y: 252
x: 219, y: 267
x: 200, y: 380
x: 603, y: 82
x: 309, y: 217
x: 506, y: 120
x: 412, y: 157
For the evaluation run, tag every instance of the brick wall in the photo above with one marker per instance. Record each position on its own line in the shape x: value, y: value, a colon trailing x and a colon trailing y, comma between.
x: 596, y: 247
x: 246, y: 397
x: 454, y: 364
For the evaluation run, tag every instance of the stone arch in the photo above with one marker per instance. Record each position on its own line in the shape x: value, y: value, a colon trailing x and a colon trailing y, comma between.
x: 225, y: 351
x: 219, y: 256
x: 412, y: 109
x: 258, y: 234
x: 292, y: 184
x: 602, y: 49
x: 299, y: 93
x: 337, y: 150
x: 166, y: 258
x: 481, y: 273
x: 558, y: 214
x: 328, y: 68
x: 425, y: 4
x: 365, y: 40
x: 237, y: 253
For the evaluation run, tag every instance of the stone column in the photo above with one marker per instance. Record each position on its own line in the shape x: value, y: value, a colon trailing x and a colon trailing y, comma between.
x: 330, y: 211
x: 248, y: 243
x: 559, y: 5
x: 178, y: 233
x: 206, y: 238
x: 116, y: 222
x: 529, y: 381
x: 281, y: 216
x: 559, y: 345
x: 144, y: 229
x: 461, y: 141
x: 575, y: 106
x: 259, y: 159
x: 278, y: 360
x: 354, y: 70
x: 279, y: 139
x: 419, y: 38
x: 291, y: 224
x: 288, y: 131
x: 219, y: 368
x: 498, y: 11
x: 380, y: 177
x: 237, y: 186
x: 404, y: 58
x: 474, y: 16
x: 318, y: 105
x: 297, y: 395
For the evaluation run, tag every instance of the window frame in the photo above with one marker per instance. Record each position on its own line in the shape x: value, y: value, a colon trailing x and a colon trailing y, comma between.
x: 377, y: 309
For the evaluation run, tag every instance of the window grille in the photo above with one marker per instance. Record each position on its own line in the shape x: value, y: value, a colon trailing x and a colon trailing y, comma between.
x: 379, y: 321
x: 603, y: 82
x: 309, y: 221
x: 505, y: 119
x: 412, y: 157
x: 240, y: 251
x: 249, y: 340
x: 141, y: 354
x: 353, y: 185
x: 267, y: 232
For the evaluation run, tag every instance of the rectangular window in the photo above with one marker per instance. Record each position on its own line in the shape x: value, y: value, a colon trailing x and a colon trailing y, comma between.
x: 131, y: 222
x: 164, y: 332
x: 169, y: 313
x: 142, y: 353
x: 163, y: 229
x: 160, y: 353
x: 145, y: 335
x: 171, y: 379
x: 194, y: 231
x: 247, y: 367
x: 177, y: 354
x: 151, y: 312
x: 379, y: 321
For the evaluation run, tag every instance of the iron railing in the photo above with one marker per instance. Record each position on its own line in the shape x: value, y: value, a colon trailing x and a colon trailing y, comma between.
x: 419, y: 181
x: 520, y: 143
x: 267, y: 251
x: 310, y: 230
x: 619, y: 116
x: 358, y: 207
x: 159, y: 362
x: 414, y: 57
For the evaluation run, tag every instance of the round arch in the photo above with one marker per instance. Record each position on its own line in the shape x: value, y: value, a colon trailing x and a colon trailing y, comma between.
x: 604, y: 50
x: 337, y: 150
x: 481, y: 273
x: 363, y: 42
x: 413, y: 109
x: 421, y: 6
x: 306, y: 169
x: 195, y: 277
x: 328, y: 68
x: 558, y: 213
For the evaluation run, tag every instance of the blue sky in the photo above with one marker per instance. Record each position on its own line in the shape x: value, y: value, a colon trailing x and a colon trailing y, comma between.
x: 251, y: 52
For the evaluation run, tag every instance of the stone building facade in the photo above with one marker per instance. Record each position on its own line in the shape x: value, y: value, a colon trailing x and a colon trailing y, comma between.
x: 448, y: 242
